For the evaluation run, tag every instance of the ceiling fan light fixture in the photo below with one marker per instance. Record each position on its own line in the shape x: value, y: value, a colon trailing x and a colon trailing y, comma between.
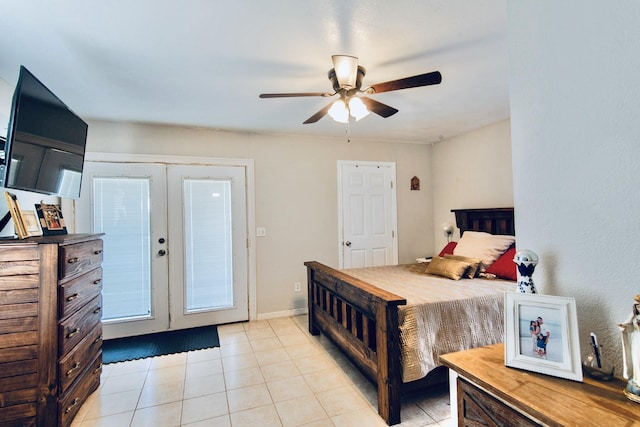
x: 346, y: 69
x: 339, y: 111
x: 357, y: 109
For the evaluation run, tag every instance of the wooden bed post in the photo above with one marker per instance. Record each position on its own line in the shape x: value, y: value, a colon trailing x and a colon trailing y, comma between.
x: 389, y: 375
x: 313, y: 329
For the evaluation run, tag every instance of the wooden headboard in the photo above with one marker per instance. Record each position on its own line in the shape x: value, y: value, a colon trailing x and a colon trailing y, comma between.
x: 491, y: 220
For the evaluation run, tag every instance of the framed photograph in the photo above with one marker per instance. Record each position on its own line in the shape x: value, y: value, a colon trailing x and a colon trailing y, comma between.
x: 14, y: 210
x: 51, y: 220
x: 541, y: 335
x: 31, y: 223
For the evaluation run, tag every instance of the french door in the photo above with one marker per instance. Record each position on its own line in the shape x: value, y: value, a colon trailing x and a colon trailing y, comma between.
x: 175, y: 244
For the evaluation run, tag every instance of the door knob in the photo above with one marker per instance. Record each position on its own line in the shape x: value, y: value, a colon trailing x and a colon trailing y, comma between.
x: 162, y: 252
x: 348, y: 243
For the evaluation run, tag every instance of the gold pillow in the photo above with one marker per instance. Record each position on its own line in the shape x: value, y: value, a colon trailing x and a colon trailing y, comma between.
x: 445, y: 267
x: 474, y: 264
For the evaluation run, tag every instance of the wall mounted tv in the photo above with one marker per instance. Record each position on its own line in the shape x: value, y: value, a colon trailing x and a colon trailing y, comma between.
x: 44, y: 150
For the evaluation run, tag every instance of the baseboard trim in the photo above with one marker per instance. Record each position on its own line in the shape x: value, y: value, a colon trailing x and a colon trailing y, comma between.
x: 284, y: 313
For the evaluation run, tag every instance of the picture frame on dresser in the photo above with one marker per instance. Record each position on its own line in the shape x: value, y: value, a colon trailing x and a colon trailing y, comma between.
x: 51, y: 219
x: 31, y: 223
x: 16, y: 217
x: 541, y: 335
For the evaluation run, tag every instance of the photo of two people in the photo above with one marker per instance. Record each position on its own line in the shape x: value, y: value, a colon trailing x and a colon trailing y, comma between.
x: 540, y: 333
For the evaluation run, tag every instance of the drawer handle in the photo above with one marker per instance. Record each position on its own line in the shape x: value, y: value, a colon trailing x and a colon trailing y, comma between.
x: 97, y: 310
x: 73, y: 368
x: 75, y: 402
x: 72, y: 260
x: 75, y: 331
x: 97, y: 281
x: 97, y: 370
x: 72, y: 297
x: 98, y: 339
x: 97, y: 251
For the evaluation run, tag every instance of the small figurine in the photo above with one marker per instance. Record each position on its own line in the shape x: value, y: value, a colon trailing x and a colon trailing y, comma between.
x: 631, y: 352
x: 526, y: 261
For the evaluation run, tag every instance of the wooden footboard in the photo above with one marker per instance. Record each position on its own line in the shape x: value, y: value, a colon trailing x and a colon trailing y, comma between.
x: 363, y: 321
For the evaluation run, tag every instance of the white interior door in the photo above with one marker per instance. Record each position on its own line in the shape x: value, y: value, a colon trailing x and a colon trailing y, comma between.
x: 165, y: 262
x: 367, y: 214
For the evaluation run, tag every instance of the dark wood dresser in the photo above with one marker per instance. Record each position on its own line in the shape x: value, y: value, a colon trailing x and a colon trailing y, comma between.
x: 491, y: 394
x: 50, y: 329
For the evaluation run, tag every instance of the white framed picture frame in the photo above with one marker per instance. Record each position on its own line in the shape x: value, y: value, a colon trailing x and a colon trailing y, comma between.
x: 551, y: 349
x: 31, y: 223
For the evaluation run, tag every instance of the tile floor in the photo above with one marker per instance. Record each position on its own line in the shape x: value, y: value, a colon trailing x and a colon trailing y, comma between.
x: 265, y: 373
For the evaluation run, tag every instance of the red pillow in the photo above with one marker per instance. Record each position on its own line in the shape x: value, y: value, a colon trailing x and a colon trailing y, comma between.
x: 504, y: 267
x: 448, y: 249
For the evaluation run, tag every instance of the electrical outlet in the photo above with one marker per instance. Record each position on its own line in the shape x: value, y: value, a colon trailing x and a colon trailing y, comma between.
x: 296, y: 287
x: 261, y: 231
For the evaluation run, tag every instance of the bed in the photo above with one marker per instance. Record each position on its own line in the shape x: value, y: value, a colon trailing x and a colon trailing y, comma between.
x: 363, y: 313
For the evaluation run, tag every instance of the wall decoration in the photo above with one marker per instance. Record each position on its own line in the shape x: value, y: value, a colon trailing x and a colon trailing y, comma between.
x: 415, y: 183
x: 541, y: 334
x: 51, y: 219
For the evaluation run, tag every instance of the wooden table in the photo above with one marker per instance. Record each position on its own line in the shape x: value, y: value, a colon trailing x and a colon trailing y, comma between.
x: 490, y: 393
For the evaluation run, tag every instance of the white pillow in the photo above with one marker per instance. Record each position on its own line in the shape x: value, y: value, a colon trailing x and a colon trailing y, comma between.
x: 488, y: 247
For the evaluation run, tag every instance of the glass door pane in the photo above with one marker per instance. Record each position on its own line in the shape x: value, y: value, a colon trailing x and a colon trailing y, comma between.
x: 208, y: 245
x: 122, y: 212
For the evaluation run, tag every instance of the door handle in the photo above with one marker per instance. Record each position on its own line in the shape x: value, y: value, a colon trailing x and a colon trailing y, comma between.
x: 348, y: 243
x: 162, y: 252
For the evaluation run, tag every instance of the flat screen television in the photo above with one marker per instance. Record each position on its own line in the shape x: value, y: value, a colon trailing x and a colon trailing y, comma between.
x: 45, y: 146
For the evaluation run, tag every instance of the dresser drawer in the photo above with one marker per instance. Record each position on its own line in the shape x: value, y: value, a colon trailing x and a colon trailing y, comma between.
x: 75, y: 327
x: 76, y: 362
x: 75, y: 293
x: 478, y: 408
x: 79, y: 258
x: 69, y: 403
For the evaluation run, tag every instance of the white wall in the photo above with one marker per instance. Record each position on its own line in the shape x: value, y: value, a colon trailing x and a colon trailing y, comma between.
x: 472, y: 170
x: 575, y: 120
x: 296, y: 194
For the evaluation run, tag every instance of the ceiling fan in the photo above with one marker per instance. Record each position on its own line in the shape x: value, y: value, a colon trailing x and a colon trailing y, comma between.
x: 346, y: 77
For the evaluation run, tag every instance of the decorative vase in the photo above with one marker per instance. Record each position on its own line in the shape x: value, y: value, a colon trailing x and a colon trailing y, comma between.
x: 526, y: 261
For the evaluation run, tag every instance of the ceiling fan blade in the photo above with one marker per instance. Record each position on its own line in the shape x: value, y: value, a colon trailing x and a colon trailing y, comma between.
x: 320, y: 114
x: 292, y: 95
x: 378, y: 107
x: 426, y: 79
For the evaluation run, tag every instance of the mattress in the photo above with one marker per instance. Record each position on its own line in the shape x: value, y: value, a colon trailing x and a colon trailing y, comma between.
x: 441, y: 315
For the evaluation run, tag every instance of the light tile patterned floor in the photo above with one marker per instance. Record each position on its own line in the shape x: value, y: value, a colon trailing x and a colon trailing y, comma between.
x: 265, y: 373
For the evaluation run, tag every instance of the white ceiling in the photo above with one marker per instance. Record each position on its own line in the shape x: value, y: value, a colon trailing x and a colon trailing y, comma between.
x: 204, y: 62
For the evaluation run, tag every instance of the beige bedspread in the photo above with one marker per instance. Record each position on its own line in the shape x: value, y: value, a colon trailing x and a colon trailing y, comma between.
x: 441, y: 315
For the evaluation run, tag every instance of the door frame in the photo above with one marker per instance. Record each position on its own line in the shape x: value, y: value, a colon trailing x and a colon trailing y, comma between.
x: 68, y: 205
x: 394, y: 206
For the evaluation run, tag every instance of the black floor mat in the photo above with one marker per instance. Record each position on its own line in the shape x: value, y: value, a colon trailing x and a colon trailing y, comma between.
x: 158, y: 344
